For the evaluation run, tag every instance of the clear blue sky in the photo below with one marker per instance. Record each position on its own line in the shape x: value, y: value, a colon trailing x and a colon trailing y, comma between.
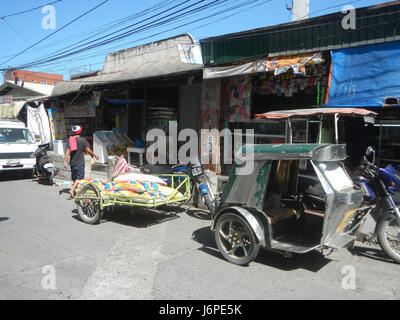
x: 21, y: 31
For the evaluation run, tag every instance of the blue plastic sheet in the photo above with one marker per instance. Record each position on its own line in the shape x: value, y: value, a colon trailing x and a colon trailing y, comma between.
x: 365, y: 76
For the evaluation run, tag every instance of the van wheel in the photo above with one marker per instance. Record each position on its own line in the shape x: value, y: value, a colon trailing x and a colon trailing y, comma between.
x: 235, y: 239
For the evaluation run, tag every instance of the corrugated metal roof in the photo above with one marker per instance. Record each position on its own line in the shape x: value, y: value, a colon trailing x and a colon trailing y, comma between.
x: 29, y: 88
x: 151, y: 60
x: 11, y: 111
x: 380, y: 23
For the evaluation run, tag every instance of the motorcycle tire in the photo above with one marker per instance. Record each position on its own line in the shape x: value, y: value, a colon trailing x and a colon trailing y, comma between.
x: 50, y: 180
x: 392, y: 247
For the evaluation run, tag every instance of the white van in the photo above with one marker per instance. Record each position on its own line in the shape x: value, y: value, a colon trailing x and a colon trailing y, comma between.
x: 17, y: 146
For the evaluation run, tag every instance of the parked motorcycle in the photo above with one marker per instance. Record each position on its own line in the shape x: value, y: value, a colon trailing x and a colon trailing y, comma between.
x: 379, y: 185
x: 44, y: 168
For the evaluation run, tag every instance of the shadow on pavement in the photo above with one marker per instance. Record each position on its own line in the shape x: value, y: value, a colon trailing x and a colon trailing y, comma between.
x: 372, y: 253
x: 15, y: 175
x: 135, y: 217
x: 312, y: 261
x: 199, y: 214
x: 62, y: 191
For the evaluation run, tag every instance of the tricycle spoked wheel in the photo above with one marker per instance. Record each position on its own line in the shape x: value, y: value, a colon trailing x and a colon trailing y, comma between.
x: 235, y: 239
x: 88, y: 205
x: 389, y: 237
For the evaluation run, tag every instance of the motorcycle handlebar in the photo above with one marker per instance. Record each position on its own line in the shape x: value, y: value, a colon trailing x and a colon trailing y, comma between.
x: 369, y: 167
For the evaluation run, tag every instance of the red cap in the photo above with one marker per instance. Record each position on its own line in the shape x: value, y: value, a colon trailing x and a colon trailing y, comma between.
x: 76, y: 130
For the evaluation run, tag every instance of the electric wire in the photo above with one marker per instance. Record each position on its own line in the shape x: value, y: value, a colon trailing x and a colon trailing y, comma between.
x: 245, y: 36
x: 138, y: 29
x: 102, y: 42
x: 58, y: 30
x: 29, y: 10
x: 236, y: 37
x: 283, y: 49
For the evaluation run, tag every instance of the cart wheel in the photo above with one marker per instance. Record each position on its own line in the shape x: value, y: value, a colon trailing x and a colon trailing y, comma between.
x: 235, y: 239
x: 89, y: 208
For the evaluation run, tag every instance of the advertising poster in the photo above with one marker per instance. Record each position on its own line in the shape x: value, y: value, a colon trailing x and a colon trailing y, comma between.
x: 238, y: 100
x: 57, y: 123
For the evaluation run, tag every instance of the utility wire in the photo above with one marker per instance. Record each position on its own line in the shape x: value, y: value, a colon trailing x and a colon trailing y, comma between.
x: 69, y: 52
x: 16, y: 31
x: 291, y: 48
x: 331, y: 7
x: 58, y: 30
x: 235, y: 37
x: 100, y: 44
x: 215, y: 14
x: 142, y: 28
x: 29, y: 10
x: 106, y: 27
x: 158, y: 22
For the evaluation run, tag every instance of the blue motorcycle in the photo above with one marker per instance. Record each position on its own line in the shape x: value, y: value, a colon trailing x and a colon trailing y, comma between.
x: 379, y: 185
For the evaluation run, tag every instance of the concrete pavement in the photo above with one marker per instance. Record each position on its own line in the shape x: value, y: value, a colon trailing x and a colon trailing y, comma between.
x: 150, y: 254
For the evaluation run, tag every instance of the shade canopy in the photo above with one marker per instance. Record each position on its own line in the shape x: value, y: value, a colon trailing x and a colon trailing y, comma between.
x: 302, y: 113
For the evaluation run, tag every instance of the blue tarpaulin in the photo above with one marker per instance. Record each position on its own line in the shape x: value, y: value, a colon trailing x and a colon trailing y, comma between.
x: 365, y: 76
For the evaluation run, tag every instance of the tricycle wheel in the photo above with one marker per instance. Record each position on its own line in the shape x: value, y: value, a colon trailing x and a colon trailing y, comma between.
x: 389, y: 236
x: 235, y: 239
x: 88, y: 205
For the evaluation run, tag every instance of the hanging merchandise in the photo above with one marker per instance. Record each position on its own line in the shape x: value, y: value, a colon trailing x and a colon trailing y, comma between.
x: 297, y: 63
x: 96, y: 98
x: 239, y: 99
x: 38, y: 123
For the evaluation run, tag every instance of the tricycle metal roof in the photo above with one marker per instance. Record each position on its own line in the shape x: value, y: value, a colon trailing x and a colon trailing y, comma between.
x: 316, y: 152
x: 302, y: 113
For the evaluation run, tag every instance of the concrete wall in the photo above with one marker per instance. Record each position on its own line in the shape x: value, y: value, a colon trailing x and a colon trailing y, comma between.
x: 103, y: 172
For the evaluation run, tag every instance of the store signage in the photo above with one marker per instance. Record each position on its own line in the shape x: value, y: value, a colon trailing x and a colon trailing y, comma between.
x: 279, y: 64
x: 297, y: 63
x: 190, y: 53
x: 6, y: 99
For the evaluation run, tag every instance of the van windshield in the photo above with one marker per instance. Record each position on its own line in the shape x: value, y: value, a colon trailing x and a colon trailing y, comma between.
x: 15, y: 135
